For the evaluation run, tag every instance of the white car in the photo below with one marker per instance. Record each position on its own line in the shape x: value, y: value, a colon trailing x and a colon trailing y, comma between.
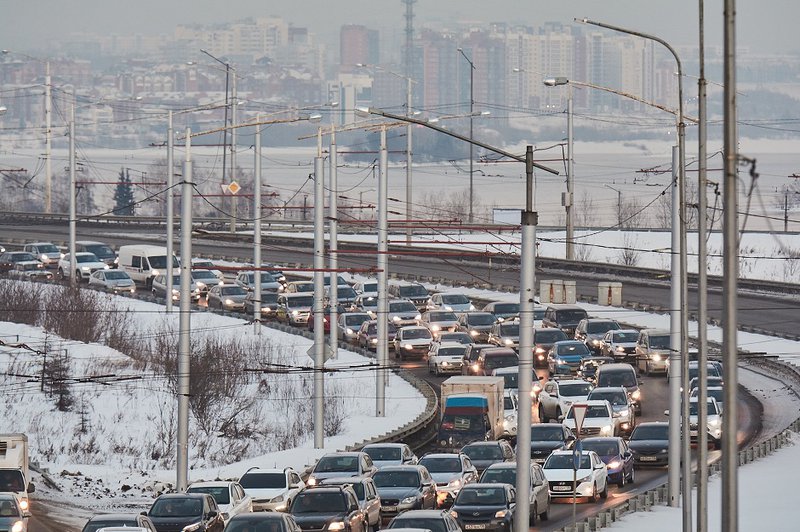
x: 717, y: 392
x: 230, y: 496
x: 598, y: 420
x: 159, y: 287
x: 45, y: 252
x: 30, y: 270
x: 247, y: 280
x: 403, y: 312
x: 450, y: 301
x: 205, y: 264
x: 446, y: 357
x: 116, y: 281
x: 205, y: 279
x: 439, y: 321
x: 510, y: 413
x: 713, y: 421
x: 86, y: 263
x: 558, y: 395
x: 621, y: 406
x: 367, y: 288
x: 592, y: 476
x: 271, y: 489
x: 413, y: 340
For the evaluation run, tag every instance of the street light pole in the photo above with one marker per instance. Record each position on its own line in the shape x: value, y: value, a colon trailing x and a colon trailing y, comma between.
x: 257, y: 304
x: 382, y: 350
x: 568, y: 200
x: 48, y: 135
x: 170, y: 208
x: 409, y: 147
x: 319, y: 325
x: 471, y: 111
x: 184, y: 321
x: 73, y: 260
x: 333, y: 245
x: 234, y: 106
x: 619, y: 203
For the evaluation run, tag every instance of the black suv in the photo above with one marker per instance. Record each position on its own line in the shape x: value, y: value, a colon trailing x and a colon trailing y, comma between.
x: 179, y: 511
x: 414, y: 292
x: 468, y: 364
x: 564, y: 317
x: 591, y: 331
x: 324, y: 508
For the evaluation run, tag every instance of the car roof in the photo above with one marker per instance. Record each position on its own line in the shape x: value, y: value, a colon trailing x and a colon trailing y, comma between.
x: 602, y: 439
x: 406, y: 467
x: 334, y: 481
x: 564, y: 306
x: 652, y: 424
x: 571, y: 381
x: 258, y: 470
x: 344, y: 453
x: 593, y: 402
x: 412, y: 514
x: 563, y: 342
x: 624, y: 331
x: 602, y: 389
x: 211, y: 483
x: 506, y: 370
x: 617, y: 366
x: 441, y: 455
x: 110, y: 517
x: 387, y: 444
x: 654, y: 332
x: 182, y: 495
x: 490, y: 443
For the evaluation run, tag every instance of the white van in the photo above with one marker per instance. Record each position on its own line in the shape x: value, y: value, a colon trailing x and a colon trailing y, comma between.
x: 144, y: 262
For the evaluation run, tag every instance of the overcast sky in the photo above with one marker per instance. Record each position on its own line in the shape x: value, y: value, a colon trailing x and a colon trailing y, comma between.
x: 761, y: 26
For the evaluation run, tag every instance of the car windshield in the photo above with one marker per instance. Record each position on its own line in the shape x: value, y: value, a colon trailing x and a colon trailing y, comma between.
x: 269, y: 298
x: 462, y: 338
x: 177, y: 507
x: 47, y: 248
x: 481, y: 496
x: 617, y: 378
x: 463, y: 423
x: 601, y: 447
x: 659, y: 342
x: 510, y: 380
x: 650, y: 432
x: 369, y: 287
x: 615, y: 398
x: 503, y: 361
x: 384, y: 453
x: 452, y: 352
x: 267, y: 277
x: 414, y: 290
x: 303, y: 287
x: 549, y: 336
x: 302, y: 301
x: 101, y: 250
x: 86, y: 257
x: 221, y: 494
x: 203, y: 275
x: 356, y: 319
x: 572, y: 348
x: 160, y: 261
x: 434, y: 524
x: 318, y: 502
x: 483, y: 452
x: 509, y: 329
x: 345, y: 292
x: 480, y: 319
x: 577, y: 389
x: 506, y: 308
x: 97, y: 523
x: 601, y: 327
x: 442, y: 316
x: 202, y: 263
x: 233, y: 291
x: 20, y: 257
x: 594, y: 411
x: 500, y: 475
x: 570, y: 316
x: 396, y: 479
x: 455, y: 299
x: 117, y: 275
x: 508, y: 403
x: 564, y: 461
x: 414, y: 334
x: 263, y: 480
x: 545, y: 433
x: 442, y: 465
x: 693, y: 407
x: 328, y: 464
x: 402, y: 306
x: 625, y: 337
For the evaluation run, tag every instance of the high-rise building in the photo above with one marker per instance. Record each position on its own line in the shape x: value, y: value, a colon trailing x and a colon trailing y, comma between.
x: 358, y: 44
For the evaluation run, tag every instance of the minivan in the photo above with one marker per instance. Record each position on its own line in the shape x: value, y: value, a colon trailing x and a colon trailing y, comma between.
x: 621, y: 375
x: 143, y: 262
x: 564, y: 317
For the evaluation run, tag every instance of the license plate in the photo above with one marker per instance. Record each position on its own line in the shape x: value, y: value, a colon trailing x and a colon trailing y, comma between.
x: 478, y: 526
x: 562, y: 488
x: 647, y: 458
x: 540, y: 460
x: 388, y: 508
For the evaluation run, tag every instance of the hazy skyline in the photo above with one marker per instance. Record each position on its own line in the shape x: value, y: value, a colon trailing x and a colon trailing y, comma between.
x: 764, y: 28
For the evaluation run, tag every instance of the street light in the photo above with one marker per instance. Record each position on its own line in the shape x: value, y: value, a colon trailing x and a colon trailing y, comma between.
x: 471, y: 111
x: 526, y: 296
x: 619, y: 202
x: 3, y: 110
x: 679, y: 320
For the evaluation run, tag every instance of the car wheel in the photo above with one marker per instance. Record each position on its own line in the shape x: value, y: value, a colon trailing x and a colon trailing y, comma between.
x: 532, y: 517
x: 604, y: 493
x: 621, y: 482
x: 61, y: 274
x: 632, y: 476
x: 595, y: 497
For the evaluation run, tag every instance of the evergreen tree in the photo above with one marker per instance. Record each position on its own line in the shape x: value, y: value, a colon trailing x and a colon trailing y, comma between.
x: 123, y: 195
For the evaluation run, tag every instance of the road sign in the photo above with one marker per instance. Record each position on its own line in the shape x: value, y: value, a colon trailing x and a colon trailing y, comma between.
x: 577, y: 451
x: 327, y: 351
x: 579, y: 412
x: 234, y: 187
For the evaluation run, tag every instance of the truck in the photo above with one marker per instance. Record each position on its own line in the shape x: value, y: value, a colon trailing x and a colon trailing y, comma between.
x: 471, y: 410
x: 14, y: 473
x: 144, y: 262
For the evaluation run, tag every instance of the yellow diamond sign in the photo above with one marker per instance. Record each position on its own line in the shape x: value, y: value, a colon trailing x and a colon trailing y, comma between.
x: 234, y: 187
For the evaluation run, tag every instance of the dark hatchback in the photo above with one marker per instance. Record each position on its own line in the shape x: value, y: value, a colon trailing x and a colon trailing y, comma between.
x: 614, y: 452
x: 175, y: 512
x: 485, y: 506
x: 258, y: 521
x: 404, y: 487
x: 649, y: 444
x: 107, y: 520
x: 546, y: 438
x: 325, y: 508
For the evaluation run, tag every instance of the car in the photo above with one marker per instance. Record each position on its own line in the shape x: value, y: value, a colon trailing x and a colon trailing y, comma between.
x: 367, y: 335
x: 198, y: 263
x: 505, y: 334
x: 205, y: 279
x: 348, y: 324
x: 269, y: 304
x: 295, y: 308
x: 589, y: 366
x: 97, y: 522
x: 413, y: 340
x: 326, y: 319
x: 502, y: 310
x: 713, y: 421
x: 271, y: 489
x: 45, y: 252
x: 614, y: 452
x: 510, y: 376
x: 565, y: 357
x: 366, y: 493
x: 230, y: 496
x: 564, y: 317
x: 446, y: 357
x: 621, y: 405
x: 404, y: 487
x: 590, y: 331
x: 331, y: 508
x: 495, y: 358
x: 592, y: 476
x: 543, y: 340
x: 345, y: 295
x: 694, y: 370
x: 86, y: 264
x: 652, y: 351
x: 716, y: 392
x: 620, y: 344
x: 711, y: 382
x: 143, y: 262
x: 248, y: 280
x: 621, y: 374
x: 558, y: 395
x: 421, y: 520
x: 342, y: 464
x: 403, y: 312
x: 449, y: 301
x: 9, y: 258
x: 506, y: 473
x: 414, y: 292
x: 116, y: 281
x: 385, y: 454
x: 297, y: 287
x: 598, y: 419
x: 179, y: 511
x: 451, y: 472
x: 267, y: 521
x: 485, y: 506
x: 31, y: 270
x: 227, y: 297
x: 159, y: 287
x: 458, y: 337
x: 546, y: 438
x: 439, y: 321
x: 12, y: 517
x: 366, y: 303
x: 649, y: 443
x: 340, y: 281
x: 485, y: 453
x: 477, y: 325
x: 510, y: 414
x: 101, y: 251
x: 469, y: 365
x: 367, y: 288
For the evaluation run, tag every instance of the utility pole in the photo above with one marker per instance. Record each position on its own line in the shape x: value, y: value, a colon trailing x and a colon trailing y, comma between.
x: 73, y: 260
x: 409, y: 147
x: 234, y: 105
x: 333, y: 230
x: 257, y: 226
x: 786, y: 211
x: 170, y: 209
x: 382, y: 351
x: 184, y: 323
x: 568, y: 198
x: 471, y: 112
x: 674, y: 458
x: 319, y: 287
x: 48, y: 139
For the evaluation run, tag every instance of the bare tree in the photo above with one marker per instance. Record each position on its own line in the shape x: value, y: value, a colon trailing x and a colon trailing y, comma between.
x: 585, y: 215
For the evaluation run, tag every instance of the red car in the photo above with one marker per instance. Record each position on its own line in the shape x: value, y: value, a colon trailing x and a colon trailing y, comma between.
x: 326, y: 318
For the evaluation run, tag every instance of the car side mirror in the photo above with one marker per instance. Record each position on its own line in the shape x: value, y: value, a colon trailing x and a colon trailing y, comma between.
x: 599, y: 466
x: 212, y: 514
x: 560, y: 419
x: 294, y: 486
x: 31, y: 487
x: 143, y: 513
x: 571, y: 438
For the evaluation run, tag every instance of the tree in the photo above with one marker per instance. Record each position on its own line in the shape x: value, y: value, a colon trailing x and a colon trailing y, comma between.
x: 123, y: 195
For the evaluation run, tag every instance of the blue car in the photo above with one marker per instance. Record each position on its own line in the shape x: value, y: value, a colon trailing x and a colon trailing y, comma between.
x: 565, y: 357
x: 614, y: 452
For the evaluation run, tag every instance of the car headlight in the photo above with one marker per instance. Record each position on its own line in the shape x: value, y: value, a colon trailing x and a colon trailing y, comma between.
x: 511, y: 418
x: 620, y: 349
x: 636, y: 395
x: 508, y: 341
x: 45, y: 258
x: 596, y: 342
x: 295, y: 313
x: 715, y: 423
x: 395, y: 318
x: 539, y: 350
x: 475, y: 367
x: 18, y: 526
x: 201, y: 284
x: 193, y: 527
x: 500, y: 514
x: 614, y: 464
x: 454, y: 483
x: 336, y: 525
x: 622, y: 413
x: 409, y: 500
x: 608, y: 430
x: 279, y: 498
x: 85, y: 268
x: 436, y: 328
x: 374, y: 340
x: 408, y: 346
x: 418, y: 317
x: 175, y: 292
x: 155, y: 272
x: 225, y: 516
x: 24, y: 504
x: 349, y: 331
x: 587, y: 478
x: 312, y: 481
x: 454, y: 514
x: 656, y: 358
x: 229, y: 302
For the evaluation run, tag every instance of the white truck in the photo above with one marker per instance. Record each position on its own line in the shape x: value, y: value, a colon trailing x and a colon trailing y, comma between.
x: 14, y: 474
x: 143, y: 262
x: 471, y: 410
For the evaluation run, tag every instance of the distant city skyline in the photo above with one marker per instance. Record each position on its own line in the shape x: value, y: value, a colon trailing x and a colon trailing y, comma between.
x: 31, y: 25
